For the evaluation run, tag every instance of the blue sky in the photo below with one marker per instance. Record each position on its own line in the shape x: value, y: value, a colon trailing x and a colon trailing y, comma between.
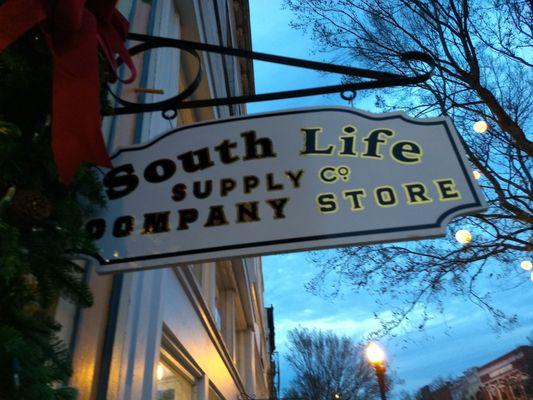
x: 461, y: 338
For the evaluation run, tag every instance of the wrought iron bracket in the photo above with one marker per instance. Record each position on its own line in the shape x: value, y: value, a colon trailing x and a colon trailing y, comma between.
x: 375, y: 79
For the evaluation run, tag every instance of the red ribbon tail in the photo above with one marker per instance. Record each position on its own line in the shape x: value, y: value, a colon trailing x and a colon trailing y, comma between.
x: 112, y: 35
x: 76, y: 119
x: 18, y: 16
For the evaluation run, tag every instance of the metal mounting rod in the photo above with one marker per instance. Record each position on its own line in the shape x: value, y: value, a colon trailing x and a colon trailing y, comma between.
x: 377, y: 79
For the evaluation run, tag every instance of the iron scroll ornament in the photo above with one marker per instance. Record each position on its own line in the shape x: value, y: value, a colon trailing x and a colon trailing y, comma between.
x: 168, y: 107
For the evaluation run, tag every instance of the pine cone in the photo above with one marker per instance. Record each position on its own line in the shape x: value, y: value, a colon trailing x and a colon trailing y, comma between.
x: 30, y: 281
x: 28, y: 205
x: 31, y: 308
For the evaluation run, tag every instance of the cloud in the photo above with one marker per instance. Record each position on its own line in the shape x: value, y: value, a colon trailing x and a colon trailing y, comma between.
x: 346, y: 327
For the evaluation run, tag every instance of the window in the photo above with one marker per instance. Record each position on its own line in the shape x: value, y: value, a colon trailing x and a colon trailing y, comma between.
x: 176, y: 375
x: 171, y: 384
x: 218, y: 310
x: 197, y: 273
x: 214, y: 394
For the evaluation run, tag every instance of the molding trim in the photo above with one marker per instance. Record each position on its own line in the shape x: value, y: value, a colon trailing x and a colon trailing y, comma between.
x: 192, y: 291
x: 171, y: 345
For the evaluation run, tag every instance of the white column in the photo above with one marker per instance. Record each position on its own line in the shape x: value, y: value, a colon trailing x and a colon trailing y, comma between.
x: 228, y: 322
x: 249, y: 362
x: 138, y: 337
x: 209, y: 284
x: 202, y: 389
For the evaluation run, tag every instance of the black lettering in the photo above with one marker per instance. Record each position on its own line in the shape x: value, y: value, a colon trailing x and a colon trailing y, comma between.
x: 271, y: 186
x: 278, y: 206
x: 401, y: 150
x: 295, y: 177
x: 257, y: 148
x: 385, y: 196
x: 156, y: 223
x: 311, y: 143
x: 447, y: 190
x: 159, y: 170
x: 348, y: 142
x: 185, y: 217
x: 216, y: 217
x: 194, y: 161
x: 95, y: 228
x: 123, y: 226
x: 374, y: 141
x: 120, y: 181
x: 197, y: 189
x: 327, y: 203
x: 328, y: 174
x: 247, y: 212
x: 226, y: 186
x: 224, y: 152
x: 355, y: 198
x: 250, y: 182
x: 179, y: 192
x: 416, y: 193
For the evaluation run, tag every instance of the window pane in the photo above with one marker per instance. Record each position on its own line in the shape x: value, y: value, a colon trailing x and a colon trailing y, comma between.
x: 170, y: 385
x: 213, y: 395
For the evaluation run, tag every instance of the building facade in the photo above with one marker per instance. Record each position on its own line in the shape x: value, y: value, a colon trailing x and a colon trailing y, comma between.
x: 190, y: 332
x: 468, y: 387
x: 509, y: 377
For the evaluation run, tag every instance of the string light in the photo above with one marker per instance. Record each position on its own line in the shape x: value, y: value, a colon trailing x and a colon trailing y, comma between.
x: 476, y: 174
x: 481, y: 127
x: 463, y: 236
x: 526, y: 265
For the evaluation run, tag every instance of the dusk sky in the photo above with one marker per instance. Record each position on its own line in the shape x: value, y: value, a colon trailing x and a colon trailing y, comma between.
x: 452, y: 342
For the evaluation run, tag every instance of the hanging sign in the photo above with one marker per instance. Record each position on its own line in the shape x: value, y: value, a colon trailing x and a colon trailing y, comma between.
x: 279, y: 182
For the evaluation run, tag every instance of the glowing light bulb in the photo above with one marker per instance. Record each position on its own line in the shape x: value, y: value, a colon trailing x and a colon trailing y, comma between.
x: 476, y: 174
x: 160, y: 372
x: 481, y: 127
x: 374, y: 353
x: 463, y: 236
x: 526, y: 265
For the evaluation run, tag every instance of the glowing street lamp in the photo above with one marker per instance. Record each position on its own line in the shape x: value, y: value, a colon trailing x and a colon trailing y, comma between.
x: 376, y: 358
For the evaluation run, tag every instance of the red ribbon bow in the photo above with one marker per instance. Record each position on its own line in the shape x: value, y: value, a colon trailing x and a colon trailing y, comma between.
x: 74, y: 31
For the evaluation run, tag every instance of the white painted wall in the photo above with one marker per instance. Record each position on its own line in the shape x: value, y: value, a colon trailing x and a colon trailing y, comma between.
x: 170, y: 296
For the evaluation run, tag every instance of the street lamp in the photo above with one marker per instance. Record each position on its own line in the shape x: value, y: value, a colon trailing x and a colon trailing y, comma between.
x: 376, y: 357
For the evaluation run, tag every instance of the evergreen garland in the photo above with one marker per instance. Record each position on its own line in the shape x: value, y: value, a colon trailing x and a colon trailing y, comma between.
x: 41, y: 230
